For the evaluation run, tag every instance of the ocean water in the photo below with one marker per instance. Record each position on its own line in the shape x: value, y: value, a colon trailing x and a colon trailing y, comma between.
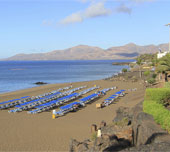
x: 16, y: 75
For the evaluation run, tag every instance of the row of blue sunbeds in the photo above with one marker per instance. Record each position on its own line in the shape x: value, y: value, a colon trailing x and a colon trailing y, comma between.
x: 12, y: 103
x: 113, y: 97
x: 46, y: 99
x: 51, y: 93
x: 6, y: 102
x: 22, y: 100
x: 81, y: 103
x: 59, y: 101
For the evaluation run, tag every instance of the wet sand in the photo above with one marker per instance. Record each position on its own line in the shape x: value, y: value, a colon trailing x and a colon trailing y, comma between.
x: 39, y: 132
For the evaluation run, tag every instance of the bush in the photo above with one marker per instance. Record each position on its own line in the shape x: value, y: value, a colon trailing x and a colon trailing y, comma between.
x: 160, y: 95
x: 124, y: 70
x: 151, y: 80
x: 122, y: 122
x: 146, y: 73
x: 159, y: 113
x: 154, y: 75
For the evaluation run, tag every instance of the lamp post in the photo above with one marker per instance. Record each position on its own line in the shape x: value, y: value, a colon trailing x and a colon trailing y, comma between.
x: 169, y: 34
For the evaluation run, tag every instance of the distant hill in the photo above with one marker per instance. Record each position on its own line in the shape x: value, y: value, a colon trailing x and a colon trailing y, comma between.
x: 84, y: 52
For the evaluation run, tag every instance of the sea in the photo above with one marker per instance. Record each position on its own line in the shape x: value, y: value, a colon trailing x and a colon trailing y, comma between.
x: 17, y: 75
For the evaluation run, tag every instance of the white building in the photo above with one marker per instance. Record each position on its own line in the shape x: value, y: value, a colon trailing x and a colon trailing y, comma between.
x: 161, y: 54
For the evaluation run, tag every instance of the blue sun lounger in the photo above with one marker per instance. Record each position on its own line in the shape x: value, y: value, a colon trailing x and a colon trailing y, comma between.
x: 120, y: 93
x: 46, y: 97
x: 11, y: 103
x: 25, y: 97
x: 93, y: 96
x: 54, y: 103
x: 122, y: 90
x: 82, y: 102
x: 13, y: 100
x: 31, y: 101
x: 109, y: 100
x: 58, y: 100
x: 88, y: 99
x: 69, y: 106
x: 38, y: 100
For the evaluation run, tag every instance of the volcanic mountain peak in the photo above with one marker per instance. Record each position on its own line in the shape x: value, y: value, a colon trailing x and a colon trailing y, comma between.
x: 85, y: 52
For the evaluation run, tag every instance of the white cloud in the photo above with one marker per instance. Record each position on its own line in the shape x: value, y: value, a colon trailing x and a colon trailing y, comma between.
x: 97, y: 8
x: 73, y: 18
x: 123, y: 9
x: 94, y: 10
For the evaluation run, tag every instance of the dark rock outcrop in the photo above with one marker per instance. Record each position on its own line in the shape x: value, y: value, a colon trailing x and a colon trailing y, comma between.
x: 122, y: 132
x: 161, y: 147
x: 40, y: 83
x: 79, y: 146
x: 123, y: 114
x: 132, y: 130
x: 145, y: 130
x: 107, y: 143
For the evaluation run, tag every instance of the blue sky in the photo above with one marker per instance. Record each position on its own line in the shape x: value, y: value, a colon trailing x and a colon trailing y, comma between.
x: 34, y: 26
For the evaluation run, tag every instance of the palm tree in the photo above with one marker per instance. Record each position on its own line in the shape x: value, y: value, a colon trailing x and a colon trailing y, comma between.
x: 164, y: 66
x: 139, y: 63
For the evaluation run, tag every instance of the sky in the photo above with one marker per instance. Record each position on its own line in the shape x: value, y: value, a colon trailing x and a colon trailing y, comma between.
x: 39, y: 26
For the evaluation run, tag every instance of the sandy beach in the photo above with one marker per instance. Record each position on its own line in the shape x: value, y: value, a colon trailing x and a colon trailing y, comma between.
x: 39, y: 132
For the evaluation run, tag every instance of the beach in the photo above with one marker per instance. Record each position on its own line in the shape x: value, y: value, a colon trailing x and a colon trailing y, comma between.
x: 39, y: 132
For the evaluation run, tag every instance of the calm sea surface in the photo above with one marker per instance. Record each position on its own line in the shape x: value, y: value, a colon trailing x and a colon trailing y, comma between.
x: 16, y: 75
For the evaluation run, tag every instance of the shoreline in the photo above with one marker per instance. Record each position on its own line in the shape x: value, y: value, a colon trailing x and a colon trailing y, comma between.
x: 6, y: 87
x: 50, y: 86
x: 46, y: 86
x: 62, y: 83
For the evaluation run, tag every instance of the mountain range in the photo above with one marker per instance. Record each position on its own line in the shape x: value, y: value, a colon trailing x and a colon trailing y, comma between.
x: 84, y: 52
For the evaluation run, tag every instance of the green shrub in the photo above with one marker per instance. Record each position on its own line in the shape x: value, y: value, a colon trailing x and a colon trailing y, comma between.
x: 154, y: 75
x: 123, y: 122
x: 124, y: 70
x: 151, y: 80
x: 160, y: 114
x: 146, y: 73
x: 160, y: 95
